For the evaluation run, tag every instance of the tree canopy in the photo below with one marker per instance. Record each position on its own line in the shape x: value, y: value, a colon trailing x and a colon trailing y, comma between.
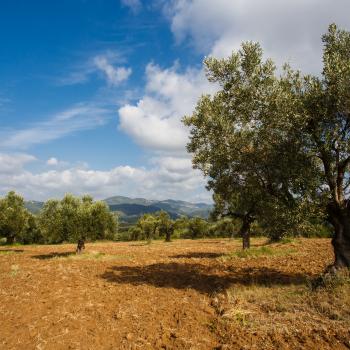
x: 276, y: 147
x: 73, y: 218
x: 15, y: 220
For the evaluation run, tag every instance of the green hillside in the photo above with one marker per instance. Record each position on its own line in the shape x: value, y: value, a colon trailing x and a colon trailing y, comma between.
x: 130, y: 209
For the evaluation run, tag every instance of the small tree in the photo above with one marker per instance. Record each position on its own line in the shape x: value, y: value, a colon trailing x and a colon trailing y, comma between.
x: 13, y: 217
x: 148, y: 223
x: 166, y: 226
x: 197, y: 227
x: 75, y: 220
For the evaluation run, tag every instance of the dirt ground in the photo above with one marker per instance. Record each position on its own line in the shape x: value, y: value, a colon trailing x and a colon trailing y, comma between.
x: 201, y: 294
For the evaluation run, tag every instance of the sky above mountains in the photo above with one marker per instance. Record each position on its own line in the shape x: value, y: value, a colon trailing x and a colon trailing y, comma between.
x: 92, y: 92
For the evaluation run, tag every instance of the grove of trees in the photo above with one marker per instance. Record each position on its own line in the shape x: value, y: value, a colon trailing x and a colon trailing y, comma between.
x: 276, y: 147
x: 71, y: 219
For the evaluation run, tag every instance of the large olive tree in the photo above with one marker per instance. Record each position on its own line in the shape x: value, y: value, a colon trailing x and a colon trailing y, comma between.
x: 237, y: 141
x: 281, y: 144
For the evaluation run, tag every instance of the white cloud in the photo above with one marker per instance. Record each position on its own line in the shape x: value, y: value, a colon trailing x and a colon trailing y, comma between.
x: 287, y: 30
x: 113, y: 75
x: 13, y: 163
x: 134, y: 5
x: 81, y: 117
x: 109, y: 63
x: 155, y: 121
x: 52, y: 161
x: 168, y: 177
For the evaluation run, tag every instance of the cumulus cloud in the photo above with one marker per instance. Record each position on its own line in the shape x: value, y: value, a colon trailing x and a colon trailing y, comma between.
x: 76, y: 118
x: 166, y: 178
x: 287, y: 30
x: 155, y: 120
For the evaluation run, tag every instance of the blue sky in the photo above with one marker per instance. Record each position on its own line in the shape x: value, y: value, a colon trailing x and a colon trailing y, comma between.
x: 92, y: 92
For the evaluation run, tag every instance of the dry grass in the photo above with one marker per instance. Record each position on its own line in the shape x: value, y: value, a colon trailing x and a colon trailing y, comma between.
x: 263, y: 251
x: 92, y: 255
x: 289, y: 315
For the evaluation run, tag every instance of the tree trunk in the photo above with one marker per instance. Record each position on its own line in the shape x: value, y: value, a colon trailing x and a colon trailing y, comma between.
x: 168, y: 236
x: 80, y: 246
x: 245, y: 232
x: 340, y: 219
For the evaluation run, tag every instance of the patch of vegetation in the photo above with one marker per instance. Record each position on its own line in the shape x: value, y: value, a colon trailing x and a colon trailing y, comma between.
x: 286, y: 240
x: 256, y: 252
x: 14, y: 270
x: 265, y: 307
x: 330, y: 281
x: 5, y: 252
x: 93, y: 255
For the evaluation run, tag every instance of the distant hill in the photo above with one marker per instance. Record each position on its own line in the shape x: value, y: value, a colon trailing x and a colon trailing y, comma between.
x: 175, y: 208
x: 33, y: 206
x: 130, y: 209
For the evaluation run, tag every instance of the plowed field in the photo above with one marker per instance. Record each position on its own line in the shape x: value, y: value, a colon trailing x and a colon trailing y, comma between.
x: 201, y: 294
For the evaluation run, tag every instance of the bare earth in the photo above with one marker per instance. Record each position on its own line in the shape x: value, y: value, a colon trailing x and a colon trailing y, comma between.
x: 180, y: 295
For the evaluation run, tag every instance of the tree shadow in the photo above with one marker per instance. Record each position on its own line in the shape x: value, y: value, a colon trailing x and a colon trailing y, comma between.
x: 198, y: 255
x: 53, y: 255
x: 12, y: 250
x: 198, y: 277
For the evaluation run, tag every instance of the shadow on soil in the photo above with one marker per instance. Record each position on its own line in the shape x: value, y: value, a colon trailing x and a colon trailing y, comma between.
x: 53, y: 255
x: 198, y: 277
x: 198, y: 255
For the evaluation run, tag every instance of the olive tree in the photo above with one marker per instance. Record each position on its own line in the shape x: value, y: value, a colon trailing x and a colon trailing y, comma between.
x: 166, y: 226
x: 148, y: 223
x: 14, y: 217
x: 197, y: 227
x: 283, y: 140
x: 231, y: 144
x: 76, y: 219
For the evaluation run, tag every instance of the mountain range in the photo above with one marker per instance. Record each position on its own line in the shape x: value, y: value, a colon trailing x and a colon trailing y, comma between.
x: 130, y: 209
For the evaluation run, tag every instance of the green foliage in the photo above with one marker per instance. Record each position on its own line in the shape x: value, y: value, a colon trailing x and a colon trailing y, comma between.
x: 73, y: 218
x: 225, y: 227
x: 148, y: 225
x: 135, y: 233
x: 152, y: 226
x: 260, y: 251
x: 276, y: 149
x: 15, y: 220
x: 166, y: 226
x: 197, y: 227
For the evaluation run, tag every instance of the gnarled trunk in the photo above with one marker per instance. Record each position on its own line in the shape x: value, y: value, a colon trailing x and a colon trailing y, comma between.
x: 80, y: 246
x: 340, y: 219
x: 245, y: 232
x: 168, y: 235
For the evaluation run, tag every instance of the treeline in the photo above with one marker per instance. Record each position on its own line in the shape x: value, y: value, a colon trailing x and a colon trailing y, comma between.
x: 161, y: 226
x: 81, y: 218
x: 68, y: 220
